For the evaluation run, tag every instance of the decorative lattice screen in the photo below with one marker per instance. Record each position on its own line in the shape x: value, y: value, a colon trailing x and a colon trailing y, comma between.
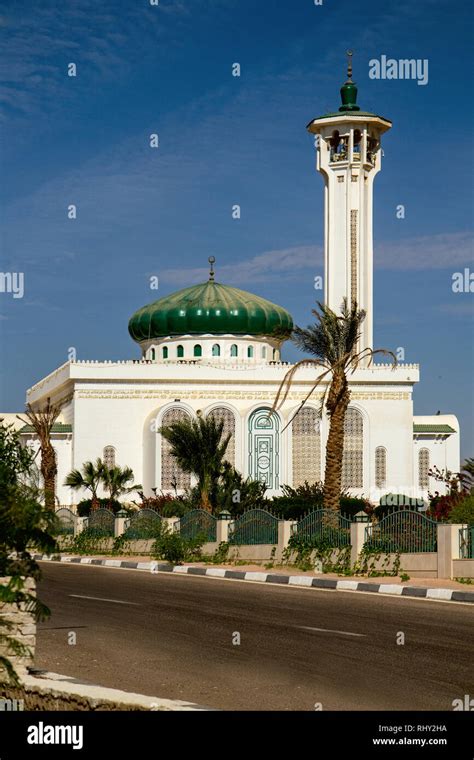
x: 306, y: 447
x: 171, y: 474
x: 423, y: 467
x: 380, y: 467
x: 221, y: 413
x: 352, y: 461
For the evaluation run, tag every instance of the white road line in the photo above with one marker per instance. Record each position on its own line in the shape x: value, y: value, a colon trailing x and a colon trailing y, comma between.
x: 99, y: 599
x: 329, y: 630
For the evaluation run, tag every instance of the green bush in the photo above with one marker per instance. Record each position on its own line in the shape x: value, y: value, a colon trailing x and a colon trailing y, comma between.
x: 236, y: 494
x: 89, y: 541
x: 174, y: 548
x: 351, y: 505
x: 84, y: 507
x: 393, y: 502
x: 165, y: 504
x: 463, y: 512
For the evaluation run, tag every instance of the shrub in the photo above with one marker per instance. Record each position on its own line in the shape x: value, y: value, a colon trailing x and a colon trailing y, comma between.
x: 174, y: 548
x: 393, y: 502
x: 165, y: 504
x: 237, y: 494
x: 463, y: 512
x: 89, y: 541
x: 85, y: 506
x: 351, y: 505
x: 296, y: 502
x: 292, y: 507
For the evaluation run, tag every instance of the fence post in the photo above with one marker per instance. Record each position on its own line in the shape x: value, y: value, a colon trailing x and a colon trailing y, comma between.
x: 222, y: 526
x: 119, y: 525
x: 79, y: 525
x: 448, y: 548
x: 284, y: 535
x: 358, y: 526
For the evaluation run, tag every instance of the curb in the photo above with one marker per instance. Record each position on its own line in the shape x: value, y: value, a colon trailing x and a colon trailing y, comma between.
x: 64, y: 689
x: 434, y: 594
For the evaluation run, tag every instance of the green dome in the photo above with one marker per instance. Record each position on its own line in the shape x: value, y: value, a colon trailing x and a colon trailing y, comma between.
x: 208, y: 308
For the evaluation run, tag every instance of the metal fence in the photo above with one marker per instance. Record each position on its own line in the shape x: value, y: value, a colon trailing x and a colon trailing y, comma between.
x: 67, y: 521
x: 325, y: 525
x: 198, y: 522
x: 101, y: 522
x: 466, y: 542
x: 257, y: 526
x: 405, y: 531
x: 146, y: 523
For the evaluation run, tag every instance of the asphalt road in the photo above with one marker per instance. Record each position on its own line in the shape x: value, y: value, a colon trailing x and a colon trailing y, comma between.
x: 172, y: 636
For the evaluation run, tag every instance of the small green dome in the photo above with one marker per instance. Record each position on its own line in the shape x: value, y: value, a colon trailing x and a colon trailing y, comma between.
x: 208, y: 308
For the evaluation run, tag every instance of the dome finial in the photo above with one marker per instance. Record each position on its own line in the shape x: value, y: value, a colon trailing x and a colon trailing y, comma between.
x: 349, y: 65
x: 349, y: 89
x: 211, y: 261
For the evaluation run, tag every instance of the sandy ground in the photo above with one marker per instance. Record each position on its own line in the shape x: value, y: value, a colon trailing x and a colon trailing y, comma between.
x: 288, y: 570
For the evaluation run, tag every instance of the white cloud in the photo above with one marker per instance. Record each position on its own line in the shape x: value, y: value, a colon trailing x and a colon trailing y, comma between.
x: 443, y: 251
x: 270, y: 266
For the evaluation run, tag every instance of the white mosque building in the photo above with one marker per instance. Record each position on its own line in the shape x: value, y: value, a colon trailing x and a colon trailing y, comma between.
x: 209, y: 349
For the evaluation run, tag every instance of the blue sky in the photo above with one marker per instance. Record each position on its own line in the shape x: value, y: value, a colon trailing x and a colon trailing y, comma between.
x: 226, y: 140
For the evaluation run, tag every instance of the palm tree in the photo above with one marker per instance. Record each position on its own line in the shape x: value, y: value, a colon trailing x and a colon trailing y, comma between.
x: 118, y: 481
x: 89, y: 479
x: 42, y: 421
x: 467, y: 474
x: 333, y: 340
x: 199, y: 448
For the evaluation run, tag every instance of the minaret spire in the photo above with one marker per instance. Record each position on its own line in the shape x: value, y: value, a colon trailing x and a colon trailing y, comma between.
x: 349, y: 67
x: 211, y: 261
x: 349, y: 89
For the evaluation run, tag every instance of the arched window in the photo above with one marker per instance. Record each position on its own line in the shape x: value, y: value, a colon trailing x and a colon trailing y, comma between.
x: 306, y: 453
x: 380, y: 467
x: 180, y: 352
x: 249, y: 352
x: 152, y: 354
x: 108, y: 457
x: 423, y: 469
x: 165, y: 352
x: 353, y: 457
x: 228, y: 417
x: 275, y: 354
x: 357, y: 139
x: 234, y: 351
x: 334, y: 142
x: 264, y: 448
x: 264, y: 352
x: 216, y: 350
x: 197, y: 350
x: 171, y: 475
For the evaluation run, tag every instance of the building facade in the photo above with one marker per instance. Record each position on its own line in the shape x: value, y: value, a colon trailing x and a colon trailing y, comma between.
x: 215, y: 350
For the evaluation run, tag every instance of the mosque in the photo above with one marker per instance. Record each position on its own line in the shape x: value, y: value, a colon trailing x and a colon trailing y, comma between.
x: 209, y: 348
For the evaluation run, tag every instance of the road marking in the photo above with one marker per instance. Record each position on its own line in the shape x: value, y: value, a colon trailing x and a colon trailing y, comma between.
x: 99, y: 599
x: 329, y: 630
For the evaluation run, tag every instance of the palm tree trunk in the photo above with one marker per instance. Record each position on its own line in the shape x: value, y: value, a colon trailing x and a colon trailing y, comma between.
x: 205, y: 488
x: 48, y: 471
x: 337, y: 403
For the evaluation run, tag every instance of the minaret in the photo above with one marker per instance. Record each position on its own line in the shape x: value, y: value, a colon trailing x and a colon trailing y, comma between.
x: 349, y: 157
